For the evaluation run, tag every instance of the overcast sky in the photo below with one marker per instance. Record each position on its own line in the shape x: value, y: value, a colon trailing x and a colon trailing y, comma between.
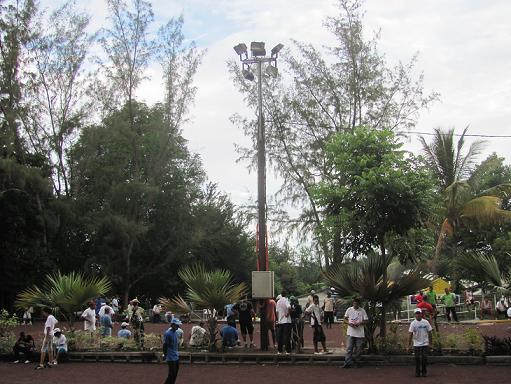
x: 464, y: 46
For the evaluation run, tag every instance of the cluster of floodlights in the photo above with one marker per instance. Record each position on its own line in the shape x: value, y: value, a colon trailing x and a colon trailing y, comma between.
x: 258, y: 55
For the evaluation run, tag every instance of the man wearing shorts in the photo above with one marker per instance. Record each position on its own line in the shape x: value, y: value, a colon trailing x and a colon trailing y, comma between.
x: 47, y: 345
x: 245, y: 312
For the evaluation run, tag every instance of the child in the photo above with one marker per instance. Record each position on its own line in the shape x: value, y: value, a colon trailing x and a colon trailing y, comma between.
x: 420, y: 333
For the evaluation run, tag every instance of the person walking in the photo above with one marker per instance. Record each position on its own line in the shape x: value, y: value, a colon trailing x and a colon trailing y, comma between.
x: 171, y: 350
x: 421, y: 336
x: 283, y: 324
x: 356, y: 317
x: 449, y: 300
x: 47, y: 345
x: 328, y: 308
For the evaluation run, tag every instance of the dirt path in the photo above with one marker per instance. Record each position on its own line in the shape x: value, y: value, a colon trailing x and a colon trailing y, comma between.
x: 83, y: 373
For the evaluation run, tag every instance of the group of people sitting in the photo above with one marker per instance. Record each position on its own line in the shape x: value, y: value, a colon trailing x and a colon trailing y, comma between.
x: 25, y: 347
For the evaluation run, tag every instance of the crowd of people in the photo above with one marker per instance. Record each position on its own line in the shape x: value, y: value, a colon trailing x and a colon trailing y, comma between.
x: 283, y: 317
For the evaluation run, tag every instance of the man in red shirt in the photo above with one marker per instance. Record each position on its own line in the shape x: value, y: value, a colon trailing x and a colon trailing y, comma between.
x: 426, y: 307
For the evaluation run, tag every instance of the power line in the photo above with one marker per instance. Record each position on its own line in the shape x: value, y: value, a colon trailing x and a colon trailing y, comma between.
x: 408, y: 132
x: 459, y: 134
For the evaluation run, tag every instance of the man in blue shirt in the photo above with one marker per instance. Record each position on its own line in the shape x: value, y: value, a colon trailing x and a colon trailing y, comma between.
x: 229, y: 334
x: 170, y: 350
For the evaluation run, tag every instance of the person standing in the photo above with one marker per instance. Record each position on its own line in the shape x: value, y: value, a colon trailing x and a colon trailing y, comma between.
x: 421, y: 335
x: 47, y: 345
x: 27, y: 316
x: 501, y: 308
x: 319, y: 334
x: 356, y: 317
x: 328, y: 308
x: 270, y: 313
x: 89, y: 318
x: 106, y: 323
x: 283, y: 324
x: 136, y: 319
x: 156, y: 313
x: 171, y: 350
x: 115, y: 308
x: 245, y: 312
x: 449, y: 300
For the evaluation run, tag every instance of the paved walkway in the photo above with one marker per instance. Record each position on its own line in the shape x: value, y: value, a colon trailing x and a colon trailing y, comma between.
x: 83, y: 373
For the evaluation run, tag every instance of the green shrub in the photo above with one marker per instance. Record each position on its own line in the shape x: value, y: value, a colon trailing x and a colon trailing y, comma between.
x: 7, y: 323
x: 473, y: 339
x: 452, y: 341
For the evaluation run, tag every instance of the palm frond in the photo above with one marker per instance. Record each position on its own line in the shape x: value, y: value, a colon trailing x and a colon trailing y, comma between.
x: 503, y: 191
x: 483, y: 211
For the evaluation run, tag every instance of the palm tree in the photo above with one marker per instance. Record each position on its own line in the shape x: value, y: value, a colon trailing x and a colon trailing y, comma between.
x: 64, y: 294
x: 488, y: 268
x: 211, y: 290
x: 447, y: 160
x: 462, y: 207
x: 365, y: 279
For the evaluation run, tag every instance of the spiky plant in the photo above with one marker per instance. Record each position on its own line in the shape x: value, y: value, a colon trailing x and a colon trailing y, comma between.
x: 64, y: 294
x: 364, y: 279
x: 211, y: 290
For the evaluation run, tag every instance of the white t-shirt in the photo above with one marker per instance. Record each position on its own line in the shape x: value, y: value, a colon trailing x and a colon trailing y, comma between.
x: 197, y: 335
x: 313, y: 308
x: 89, y: 315
x: 509, y: 312
x: 115, y: 304
x: 50, y: 323
x: 103, y: 309
x: 356, y: 316
x: 420, y: 330
x: 156, y: 309
x: 283, y: 311
x: 60, y: 342
x: 329, y: 304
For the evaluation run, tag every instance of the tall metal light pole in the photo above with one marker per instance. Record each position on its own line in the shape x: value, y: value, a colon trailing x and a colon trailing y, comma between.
x: 258, y: 57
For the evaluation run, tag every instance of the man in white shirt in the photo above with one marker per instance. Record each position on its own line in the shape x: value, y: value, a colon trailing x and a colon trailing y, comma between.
x: 356, y: 317
x: 283, y: 324
x: 103, y: 309
x: 47, y: 345
x: 319, y: 334
x: 420, y: 334
x: 89, y: 317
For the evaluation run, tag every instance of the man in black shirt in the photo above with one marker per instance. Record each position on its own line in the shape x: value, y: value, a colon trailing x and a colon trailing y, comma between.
x: 245, y: 312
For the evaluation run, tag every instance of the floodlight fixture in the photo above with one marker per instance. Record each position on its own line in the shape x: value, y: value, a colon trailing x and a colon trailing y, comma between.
x: 247, y: 74
x: 257, y: 48
x: 276, y: 49
x: 272, y: 70
x: 241, y: 49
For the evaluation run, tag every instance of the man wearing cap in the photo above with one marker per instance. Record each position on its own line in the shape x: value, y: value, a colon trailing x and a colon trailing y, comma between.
x: 356, y: 317
x: 60, y: 343
x: 420, y: 334
x: 170, y: 350
x: 136, y: 319
x: 124, y: 332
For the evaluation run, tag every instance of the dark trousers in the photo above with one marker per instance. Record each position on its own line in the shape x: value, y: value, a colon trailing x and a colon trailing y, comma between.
x: 173, y: 370
x: 284, y: 337
x: 421, y: 360
x: 17, y: 349
x: 448, y: 311
x: 329, y: 319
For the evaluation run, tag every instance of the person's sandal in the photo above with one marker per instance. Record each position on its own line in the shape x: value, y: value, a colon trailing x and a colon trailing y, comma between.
x: 39, y: 367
